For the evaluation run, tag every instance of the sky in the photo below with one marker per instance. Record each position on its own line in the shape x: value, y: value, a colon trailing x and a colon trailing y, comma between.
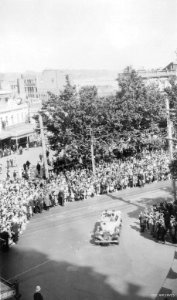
x: 86, y: 34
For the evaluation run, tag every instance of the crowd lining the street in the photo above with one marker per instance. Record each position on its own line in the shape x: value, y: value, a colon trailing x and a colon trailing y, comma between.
x: 23, y: 197
x: 9, y: 150
x: 160, y: 221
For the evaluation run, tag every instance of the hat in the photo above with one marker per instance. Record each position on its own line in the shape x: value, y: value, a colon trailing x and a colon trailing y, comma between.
x: 38, y: 288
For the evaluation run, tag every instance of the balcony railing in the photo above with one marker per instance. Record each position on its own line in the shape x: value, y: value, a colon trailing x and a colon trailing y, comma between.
x: 156, y: 74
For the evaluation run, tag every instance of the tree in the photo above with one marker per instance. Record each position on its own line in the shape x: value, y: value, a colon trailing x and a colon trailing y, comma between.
x: 142, y: 111
x: 171, y: 93
x: 132, y: 119
x: 68, y: 118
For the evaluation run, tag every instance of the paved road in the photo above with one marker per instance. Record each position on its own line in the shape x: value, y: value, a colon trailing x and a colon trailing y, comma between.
x: 56, y: 252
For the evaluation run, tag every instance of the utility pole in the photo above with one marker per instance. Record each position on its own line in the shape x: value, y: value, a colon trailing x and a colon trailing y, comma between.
x: 170, y: 141
x: 92, y: 151
x: 43, y: 146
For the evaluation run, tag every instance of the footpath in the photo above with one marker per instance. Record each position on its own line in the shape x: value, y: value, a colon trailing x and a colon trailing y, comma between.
x: 169, y: 289
x: 31, y: 155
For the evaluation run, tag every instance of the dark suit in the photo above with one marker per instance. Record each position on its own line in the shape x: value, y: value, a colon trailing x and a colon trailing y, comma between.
x: 61, y: 198
x: 38, y: 296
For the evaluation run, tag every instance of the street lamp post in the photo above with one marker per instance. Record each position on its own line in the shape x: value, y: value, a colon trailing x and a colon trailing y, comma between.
x: 43, y: 147
x: 92, y: 152
x: 170, y: 141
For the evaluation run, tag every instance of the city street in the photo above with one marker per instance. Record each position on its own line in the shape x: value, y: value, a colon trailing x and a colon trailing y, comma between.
x: 56, y: 252
x: 88, y: 150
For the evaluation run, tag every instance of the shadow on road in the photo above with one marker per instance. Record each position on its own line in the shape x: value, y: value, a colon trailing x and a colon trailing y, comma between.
x: 164, y: 293
x: 138, y: 208
x: 61, y: 279
x: 148, y: 202
x: 124, y: 200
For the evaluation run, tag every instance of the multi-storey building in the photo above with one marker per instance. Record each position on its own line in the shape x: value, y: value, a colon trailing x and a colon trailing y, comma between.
x: 23, y: 85
x: 14, y: 118
x: 29, y: 84
x: 37, y: 85
x: 9, y: 82
x: 50, y: 81
x: 159, y: 76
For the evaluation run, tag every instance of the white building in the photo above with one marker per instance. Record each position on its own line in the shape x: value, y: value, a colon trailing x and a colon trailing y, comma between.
x: 160, y: 77
x: 14, y: 118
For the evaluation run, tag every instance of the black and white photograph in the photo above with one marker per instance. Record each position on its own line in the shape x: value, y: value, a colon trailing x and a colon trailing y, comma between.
x: 88, y: 149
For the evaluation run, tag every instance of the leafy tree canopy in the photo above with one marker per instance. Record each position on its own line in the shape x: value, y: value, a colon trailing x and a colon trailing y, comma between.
x: 132, y: 119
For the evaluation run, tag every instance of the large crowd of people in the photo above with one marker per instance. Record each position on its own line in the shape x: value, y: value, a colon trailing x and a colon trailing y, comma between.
x: 7, y: 150
x: 161, y: 221
x: 22, y: 197
x: 117, y: 175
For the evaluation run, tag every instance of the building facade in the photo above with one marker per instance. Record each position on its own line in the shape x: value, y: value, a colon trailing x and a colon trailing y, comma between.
x: 14, y: 118
x: 29, y: 85
x: 32, y: 85
x: 160, y: 77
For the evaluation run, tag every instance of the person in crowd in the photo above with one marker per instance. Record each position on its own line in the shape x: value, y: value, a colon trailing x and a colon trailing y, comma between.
x: 38, y: 167
x: 4, y: 236
x: 8, y: 164
x: 28, y: 164
x: 24, y: 167
x: 37, y: 295
x: 14, y: 175
x: 20, y: 150
x: 161, y: 221
x: 11, y: 162
x: 47, y: 202
x: 8, y: 174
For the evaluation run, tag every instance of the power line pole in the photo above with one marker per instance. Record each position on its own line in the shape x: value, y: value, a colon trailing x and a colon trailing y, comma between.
x: 170, y: 141
x: 92, y: 151
x: 43, y: 146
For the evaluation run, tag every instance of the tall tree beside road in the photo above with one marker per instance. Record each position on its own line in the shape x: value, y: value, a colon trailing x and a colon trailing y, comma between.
x: 171, y: 93
x: 142, y: 109
x: 58, y: 113
x: 132, y: 119
x: 68, y: 118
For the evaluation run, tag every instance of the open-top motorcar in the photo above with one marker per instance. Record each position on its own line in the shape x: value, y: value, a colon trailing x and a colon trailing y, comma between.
x: 107, y: 229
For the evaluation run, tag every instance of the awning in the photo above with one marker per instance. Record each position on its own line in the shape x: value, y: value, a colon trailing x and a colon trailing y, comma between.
x: 17, y: 132
x: 5, y: 135
x: 22, y: 131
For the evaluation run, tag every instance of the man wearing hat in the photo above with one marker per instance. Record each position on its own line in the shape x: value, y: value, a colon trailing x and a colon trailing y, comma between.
x: 37, y: 295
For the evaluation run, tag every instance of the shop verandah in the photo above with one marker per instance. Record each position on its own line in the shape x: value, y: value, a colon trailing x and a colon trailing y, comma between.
x: 16, y: 137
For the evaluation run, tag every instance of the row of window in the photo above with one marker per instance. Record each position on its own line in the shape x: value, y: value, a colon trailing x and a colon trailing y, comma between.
x: 13, y: 119
x: 30, y: 89
x: 30, y: 82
